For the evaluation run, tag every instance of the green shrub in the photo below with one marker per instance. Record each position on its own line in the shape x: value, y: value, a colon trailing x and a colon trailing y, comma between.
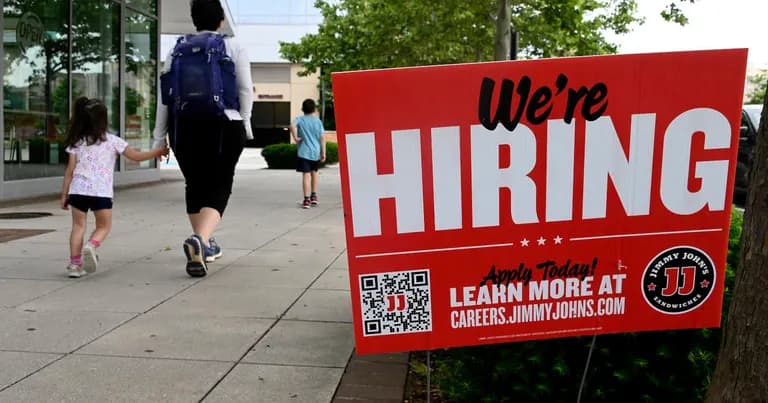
x: 283, y: 156
x: 331, y: 153
x: 280, y: 156
x: 671, y: 366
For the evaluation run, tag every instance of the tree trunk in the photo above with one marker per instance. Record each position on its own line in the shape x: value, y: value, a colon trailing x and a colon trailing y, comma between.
x: 502, y: 47
x: 742, y: 367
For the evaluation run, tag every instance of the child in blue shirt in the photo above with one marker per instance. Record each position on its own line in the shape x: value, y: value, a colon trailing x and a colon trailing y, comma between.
x: 308, y: 132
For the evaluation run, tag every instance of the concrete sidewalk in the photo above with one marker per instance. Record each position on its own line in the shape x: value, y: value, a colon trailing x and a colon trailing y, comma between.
x: 270, y: 323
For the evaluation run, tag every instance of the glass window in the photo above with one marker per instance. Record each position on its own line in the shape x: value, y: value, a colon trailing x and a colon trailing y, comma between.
x: 96, y: 55
x: 140, y: 83
x: 147, y: 6
x: 35, y: 85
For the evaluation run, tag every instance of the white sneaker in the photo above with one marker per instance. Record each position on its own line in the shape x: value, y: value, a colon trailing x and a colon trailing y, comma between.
x: 90, y: 260
x: 74, y: 271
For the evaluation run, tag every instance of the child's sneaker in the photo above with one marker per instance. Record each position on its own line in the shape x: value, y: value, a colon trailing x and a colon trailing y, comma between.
x: 75, y: 271
x: 90, y: 260
x: 214, y: 251
x: 306, y: 204
x: 313, y: 200
x: 195, y: 250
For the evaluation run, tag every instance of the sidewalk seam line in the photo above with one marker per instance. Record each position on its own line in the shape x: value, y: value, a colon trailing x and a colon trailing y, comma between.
x: 141, y: 357
x: 65, y: 355
x: 279, y: 318
x: 136, y: 315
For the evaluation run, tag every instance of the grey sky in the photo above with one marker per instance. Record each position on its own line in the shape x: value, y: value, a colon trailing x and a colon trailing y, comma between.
x: 274, y: 11
x: 713, y: 24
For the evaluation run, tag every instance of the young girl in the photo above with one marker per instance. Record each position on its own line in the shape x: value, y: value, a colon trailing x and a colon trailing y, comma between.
x: 88, y: 179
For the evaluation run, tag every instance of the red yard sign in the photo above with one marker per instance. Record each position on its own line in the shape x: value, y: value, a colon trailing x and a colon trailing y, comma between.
x: 500, y: 202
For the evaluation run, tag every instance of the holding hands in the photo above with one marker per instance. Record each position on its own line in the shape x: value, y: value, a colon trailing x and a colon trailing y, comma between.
x: 161, y: 152
x: 138, y: 156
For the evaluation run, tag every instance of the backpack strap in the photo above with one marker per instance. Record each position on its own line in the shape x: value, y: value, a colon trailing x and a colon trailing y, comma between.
x: 177, y: 97
x: 175, y: 66
x: 215, y: 47
x: 176, y: 102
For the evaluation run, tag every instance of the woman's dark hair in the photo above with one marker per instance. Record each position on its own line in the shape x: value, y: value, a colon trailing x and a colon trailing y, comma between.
x: 308, y: 106
x: 89, y: 122
x: 207, y: 15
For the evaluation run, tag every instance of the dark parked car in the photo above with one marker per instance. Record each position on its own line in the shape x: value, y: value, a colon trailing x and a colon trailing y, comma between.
x: 750, y: 119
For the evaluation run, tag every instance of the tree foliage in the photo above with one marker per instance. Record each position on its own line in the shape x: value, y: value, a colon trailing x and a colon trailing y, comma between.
x: 760, y: 81
x: 366, y: 34
x: 673, y: 12
x: 371, y: 34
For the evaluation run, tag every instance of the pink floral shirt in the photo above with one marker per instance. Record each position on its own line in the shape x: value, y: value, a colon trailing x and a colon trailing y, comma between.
x: 95, y: 166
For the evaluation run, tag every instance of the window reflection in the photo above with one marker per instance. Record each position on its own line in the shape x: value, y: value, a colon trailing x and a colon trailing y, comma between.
x: 140, y: 83
x: 35, y: 86
x: 96, y: 46
x: 147, y: 6
x: 39, y: 88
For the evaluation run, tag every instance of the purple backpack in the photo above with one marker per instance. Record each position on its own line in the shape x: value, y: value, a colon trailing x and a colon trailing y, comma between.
x: 201, y: 83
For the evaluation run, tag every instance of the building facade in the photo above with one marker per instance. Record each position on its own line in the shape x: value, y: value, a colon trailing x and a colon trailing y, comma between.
x: 55, y: 51
x: 279, y: 88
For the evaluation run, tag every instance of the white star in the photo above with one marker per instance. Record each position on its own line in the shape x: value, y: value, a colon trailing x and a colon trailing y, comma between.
x: 524, y: 242
x: 541, y: 241
x: 558, y: 240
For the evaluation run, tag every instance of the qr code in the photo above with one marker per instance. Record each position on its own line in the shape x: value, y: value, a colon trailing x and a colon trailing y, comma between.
x: 395, y: 302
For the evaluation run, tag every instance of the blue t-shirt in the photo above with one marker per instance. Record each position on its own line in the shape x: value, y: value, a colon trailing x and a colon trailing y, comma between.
x: 310, y: 130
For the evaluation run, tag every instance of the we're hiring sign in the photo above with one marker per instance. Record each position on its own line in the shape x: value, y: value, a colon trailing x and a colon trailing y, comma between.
x: 522, y: 200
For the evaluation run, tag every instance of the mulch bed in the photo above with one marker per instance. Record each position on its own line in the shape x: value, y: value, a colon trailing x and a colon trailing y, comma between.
x: 12, y: 234
x: 416, y: 385
x: 376, y: 378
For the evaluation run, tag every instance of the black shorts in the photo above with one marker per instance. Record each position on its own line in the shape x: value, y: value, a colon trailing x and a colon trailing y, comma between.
x: 86, y: 203
x: 207, y: 151
x: 305, y: 165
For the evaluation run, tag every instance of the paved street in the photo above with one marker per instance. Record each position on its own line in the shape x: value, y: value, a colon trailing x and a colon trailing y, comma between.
x: 270, y: 323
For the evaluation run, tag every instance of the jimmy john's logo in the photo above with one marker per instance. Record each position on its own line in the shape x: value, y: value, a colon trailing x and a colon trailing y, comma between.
x: 678, y: 280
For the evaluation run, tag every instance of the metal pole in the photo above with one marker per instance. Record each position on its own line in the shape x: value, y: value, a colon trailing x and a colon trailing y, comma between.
x: 429, y: 377
x: 121, y: 79
x: 2, y: 108
x: 586, y: 368
x: 70, y: 42
x: 514, y: 38
x: 322, y: 96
